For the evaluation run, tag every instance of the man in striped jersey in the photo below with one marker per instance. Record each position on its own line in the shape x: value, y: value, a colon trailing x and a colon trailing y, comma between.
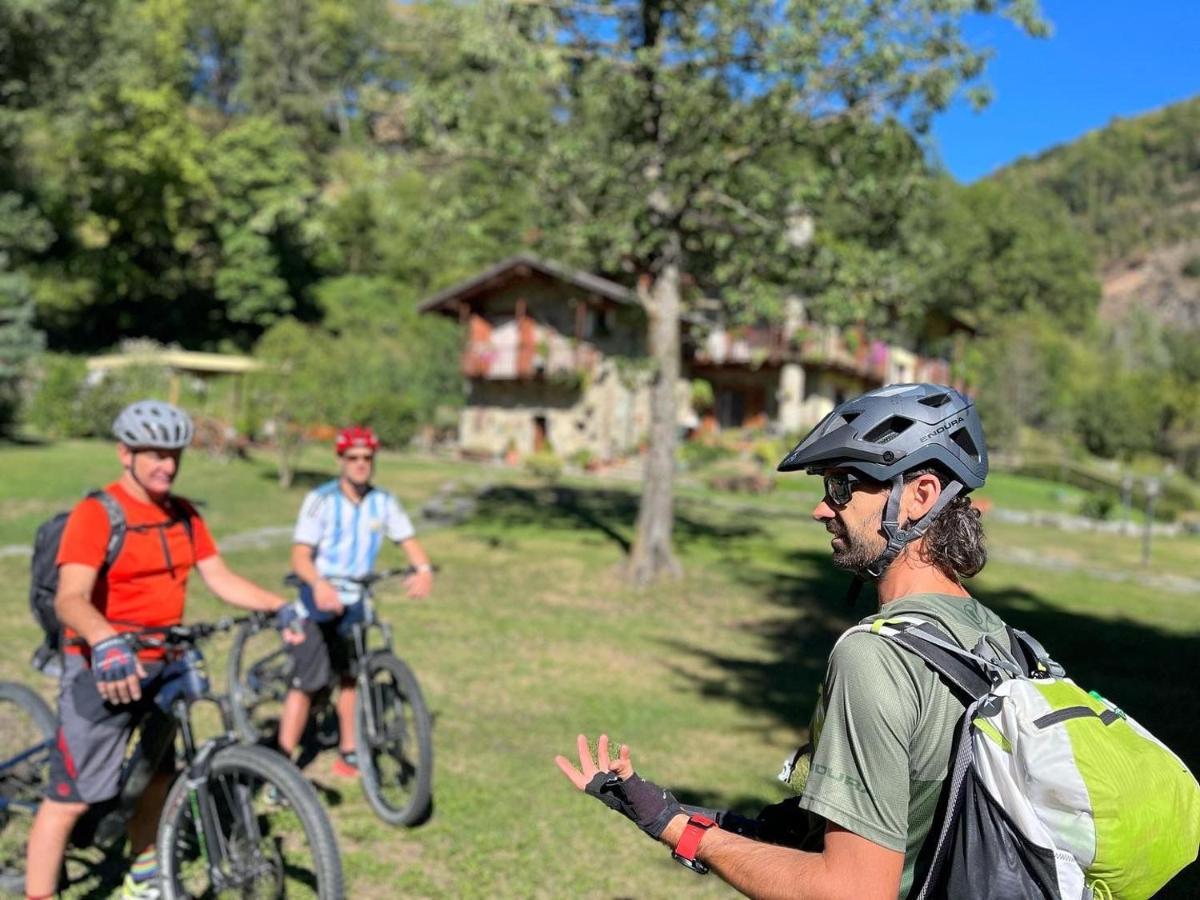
x: 340, y: 530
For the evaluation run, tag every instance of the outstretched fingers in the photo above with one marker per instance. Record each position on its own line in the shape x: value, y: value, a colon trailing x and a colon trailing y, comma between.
x: 587, y: 768
x: 622, y: 766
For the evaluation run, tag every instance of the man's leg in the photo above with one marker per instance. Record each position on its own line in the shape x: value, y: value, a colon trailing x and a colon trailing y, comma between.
x: 48, y: 844
x: 311, y: 671
x: 345, y: 712
x: 143, y: 831
x: 292, y: 720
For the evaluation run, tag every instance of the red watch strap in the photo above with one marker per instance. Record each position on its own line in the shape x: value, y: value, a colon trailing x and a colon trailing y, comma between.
x: 693, y: 832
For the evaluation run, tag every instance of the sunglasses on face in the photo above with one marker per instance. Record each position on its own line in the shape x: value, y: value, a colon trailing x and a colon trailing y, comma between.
x: 358, y: 457
x: 839, y: 486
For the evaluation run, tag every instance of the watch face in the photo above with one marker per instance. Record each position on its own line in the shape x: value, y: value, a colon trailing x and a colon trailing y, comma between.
x: 694, y: 864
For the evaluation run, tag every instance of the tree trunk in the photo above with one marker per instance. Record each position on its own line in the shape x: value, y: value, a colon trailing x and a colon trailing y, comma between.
x: 653, y: 554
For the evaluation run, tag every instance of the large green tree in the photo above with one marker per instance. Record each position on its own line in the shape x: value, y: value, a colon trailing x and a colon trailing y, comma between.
x: 675, y: 116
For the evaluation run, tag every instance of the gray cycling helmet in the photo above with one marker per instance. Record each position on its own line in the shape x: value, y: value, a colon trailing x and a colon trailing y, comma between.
x: 893, y: 430
x: 152, y: 423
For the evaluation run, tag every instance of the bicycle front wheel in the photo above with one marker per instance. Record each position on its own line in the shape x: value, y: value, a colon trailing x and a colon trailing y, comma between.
x: 27, y: 725
x: 267, y: 826
x: 393, y: 740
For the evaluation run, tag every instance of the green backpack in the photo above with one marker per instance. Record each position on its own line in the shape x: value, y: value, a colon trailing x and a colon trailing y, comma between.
x: 1053, y: 791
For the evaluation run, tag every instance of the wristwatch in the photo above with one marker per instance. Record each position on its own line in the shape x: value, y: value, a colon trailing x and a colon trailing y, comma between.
x: 693, y: 832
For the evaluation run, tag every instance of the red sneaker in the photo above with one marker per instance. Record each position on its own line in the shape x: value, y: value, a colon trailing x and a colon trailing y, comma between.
x: 346, y: 766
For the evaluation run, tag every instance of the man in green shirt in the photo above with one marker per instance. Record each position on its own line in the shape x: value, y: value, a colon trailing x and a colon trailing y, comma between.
x: 897, y: 463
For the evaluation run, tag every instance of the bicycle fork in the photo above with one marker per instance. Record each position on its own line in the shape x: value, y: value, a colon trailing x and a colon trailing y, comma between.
x: 203, y: 804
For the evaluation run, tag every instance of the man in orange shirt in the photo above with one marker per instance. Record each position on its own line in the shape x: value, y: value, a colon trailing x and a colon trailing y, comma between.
x: 106, y: 688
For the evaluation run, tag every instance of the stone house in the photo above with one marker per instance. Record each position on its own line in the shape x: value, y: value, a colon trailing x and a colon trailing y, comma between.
x: 555, y: 358
x: 551, y: 360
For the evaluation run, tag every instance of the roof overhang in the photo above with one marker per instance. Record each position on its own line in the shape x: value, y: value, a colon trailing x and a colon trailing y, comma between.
x: 523, y: 265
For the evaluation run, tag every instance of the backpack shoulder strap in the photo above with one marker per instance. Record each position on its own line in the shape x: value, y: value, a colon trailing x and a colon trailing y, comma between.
x: 116, y: 525
x: 969, y: 675
x: 182, y: 511
x: 1032, y: 655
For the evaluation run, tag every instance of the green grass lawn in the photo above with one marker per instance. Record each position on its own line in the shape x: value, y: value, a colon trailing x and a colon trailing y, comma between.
x: 531, y: 637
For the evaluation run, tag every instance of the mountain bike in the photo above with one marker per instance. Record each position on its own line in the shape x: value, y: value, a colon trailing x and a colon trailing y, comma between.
x: 393, y: 732
x: 238, y: 820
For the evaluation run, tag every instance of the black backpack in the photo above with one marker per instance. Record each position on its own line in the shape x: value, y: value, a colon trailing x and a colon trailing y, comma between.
x: 43, y: 568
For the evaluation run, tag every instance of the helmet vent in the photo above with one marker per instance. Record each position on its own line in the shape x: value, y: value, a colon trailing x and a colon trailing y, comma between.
x: 963, y: 439
x: 849, y: 417
x: 889, y: 430
x: 935, y: 400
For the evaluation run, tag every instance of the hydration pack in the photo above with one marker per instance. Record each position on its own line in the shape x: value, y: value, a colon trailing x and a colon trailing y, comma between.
x: 1052, y: 791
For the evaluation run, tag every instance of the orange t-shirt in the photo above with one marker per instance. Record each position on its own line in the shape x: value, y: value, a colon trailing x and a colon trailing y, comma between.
x: 147, y: 583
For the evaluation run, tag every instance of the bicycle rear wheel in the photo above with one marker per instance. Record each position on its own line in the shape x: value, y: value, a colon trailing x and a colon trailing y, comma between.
x: 27, y: 724
x: 259, y: 674
x: 394, y: 742
x: 275, y: 837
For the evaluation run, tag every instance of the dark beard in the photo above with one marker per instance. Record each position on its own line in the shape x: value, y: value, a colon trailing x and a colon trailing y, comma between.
x: 856, y: 552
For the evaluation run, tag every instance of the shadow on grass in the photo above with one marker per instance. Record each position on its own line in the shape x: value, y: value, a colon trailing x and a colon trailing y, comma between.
x: 610, y: 513
x: 22, y: 440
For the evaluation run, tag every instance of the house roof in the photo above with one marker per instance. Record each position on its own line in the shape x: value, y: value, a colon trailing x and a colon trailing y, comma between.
x: 518, y: 266
x: 183, y: 360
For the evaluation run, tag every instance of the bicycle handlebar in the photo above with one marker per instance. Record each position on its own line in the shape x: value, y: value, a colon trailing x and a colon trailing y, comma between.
x: 178, y: 635
x: 291, y: 579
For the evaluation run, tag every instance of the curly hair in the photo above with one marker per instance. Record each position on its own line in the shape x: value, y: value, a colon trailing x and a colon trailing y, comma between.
x: 954, y: 541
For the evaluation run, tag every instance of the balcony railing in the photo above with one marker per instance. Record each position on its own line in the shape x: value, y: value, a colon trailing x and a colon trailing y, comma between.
x: 531, y: 351
x: 849, y: 350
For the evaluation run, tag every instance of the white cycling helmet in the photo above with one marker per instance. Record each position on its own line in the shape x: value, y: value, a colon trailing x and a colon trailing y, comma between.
x: 152, y: 423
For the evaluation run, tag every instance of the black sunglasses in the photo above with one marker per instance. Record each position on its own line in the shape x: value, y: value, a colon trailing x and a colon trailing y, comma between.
x: 839, y: 486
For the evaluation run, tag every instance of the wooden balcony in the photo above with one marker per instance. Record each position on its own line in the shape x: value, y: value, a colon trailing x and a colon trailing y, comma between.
x: 526, y: 351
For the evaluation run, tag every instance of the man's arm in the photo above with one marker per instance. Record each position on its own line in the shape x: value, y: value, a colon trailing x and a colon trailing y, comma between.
x: 73, y: 603
x: 420, y: 583
x: 236, y: 590
x: 850, y: 867
x: 324, y: 594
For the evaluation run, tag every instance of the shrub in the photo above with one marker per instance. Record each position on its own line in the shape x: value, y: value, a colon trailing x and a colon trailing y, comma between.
x: 1099, y: 505
x: 582, y: 458
x: 545, y: 465
x: 55, y: 406
x: 394, y: 416
x: 696, y: 454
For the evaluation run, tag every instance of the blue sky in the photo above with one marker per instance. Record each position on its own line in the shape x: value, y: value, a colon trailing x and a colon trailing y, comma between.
x: 1107, y: 58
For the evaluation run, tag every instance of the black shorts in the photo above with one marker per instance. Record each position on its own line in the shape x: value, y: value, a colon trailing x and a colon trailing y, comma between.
x: 92, y: 743
x: 323, y: 654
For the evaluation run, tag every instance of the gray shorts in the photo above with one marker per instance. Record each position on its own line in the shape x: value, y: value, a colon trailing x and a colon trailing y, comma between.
x: 93, y: 736
x: 323, y: 654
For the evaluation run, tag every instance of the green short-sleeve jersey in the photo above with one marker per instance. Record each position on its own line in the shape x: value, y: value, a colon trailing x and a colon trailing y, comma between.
x: 883, y: 728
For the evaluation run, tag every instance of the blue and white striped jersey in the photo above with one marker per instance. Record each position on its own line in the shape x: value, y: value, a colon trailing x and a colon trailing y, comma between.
x: 347, y: 536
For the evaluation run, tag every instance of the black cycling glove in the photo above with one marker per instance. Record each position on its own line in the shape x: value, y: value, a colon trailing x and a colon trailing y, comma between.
x: 291, y: 617
x: 642, y: 802
x: 113, y: 659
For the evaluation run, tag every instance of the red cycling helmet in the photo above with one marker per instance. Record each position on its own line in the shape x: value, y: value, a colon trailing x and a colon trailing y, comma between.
x: 356, y: 436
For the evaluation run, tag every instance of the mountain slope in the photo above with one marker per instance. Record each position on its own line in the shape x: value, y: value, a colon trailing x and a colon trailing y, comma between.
x: 1134, y: 188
